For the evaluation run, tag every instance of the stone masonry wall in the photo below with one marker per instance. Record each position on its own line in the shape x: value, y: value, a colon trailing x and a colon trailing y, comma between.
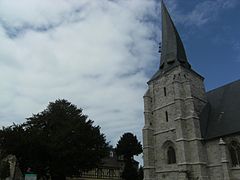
x: 216, y: 161
x: 172, y: 105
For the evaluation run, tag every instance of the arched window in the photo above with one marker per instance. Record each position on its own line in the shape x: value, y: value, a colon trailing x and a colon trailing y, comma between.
x: 234, y: 150
x: 171, y: 155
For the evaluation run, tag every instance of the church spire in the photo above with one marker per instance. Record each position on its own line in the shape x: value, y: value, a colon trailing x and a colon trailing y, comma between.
x: 173, y: 52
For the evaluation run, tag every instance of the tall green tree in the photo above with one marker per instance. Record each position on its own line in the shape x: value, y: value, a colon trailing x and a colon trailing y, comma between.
x: 130, y: 172
x: 140, y: 173
x: 60, y: 140
x: 128, y: 146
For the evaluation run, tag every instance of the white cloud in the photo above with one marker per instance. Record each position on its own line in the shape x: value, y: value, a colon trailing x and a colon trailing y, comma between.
x: 203, y: 12
x: 38, y: 13
x: 93, y: 53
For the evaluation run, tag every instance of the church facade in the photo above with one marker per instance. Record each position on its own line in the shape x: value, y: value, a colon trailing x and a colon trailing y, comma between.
x: 188, y: 133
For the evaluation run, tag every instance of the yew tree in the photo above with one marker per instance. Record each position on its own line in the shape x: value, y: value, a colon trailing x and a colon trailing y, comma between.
x: 60, y: 141
x: 128, y: 146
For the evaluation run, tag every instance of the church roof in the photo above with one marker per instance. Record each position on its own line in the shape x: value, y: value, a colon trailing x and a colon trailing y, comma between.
x: 172, y: 49
x: 221, y: 116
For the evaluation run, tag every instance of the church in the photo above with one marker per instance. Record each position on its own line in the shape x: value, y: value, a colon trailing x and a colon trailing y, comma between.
x: 189, y: 134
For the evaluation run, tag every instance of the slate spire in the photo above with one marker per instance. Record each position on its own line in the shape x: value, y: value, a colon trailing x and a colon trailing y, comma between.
x: 172, y: 50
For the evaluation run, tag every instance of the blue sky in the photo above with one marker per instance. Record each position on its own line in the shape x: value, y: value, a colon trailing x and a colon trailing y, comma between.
x: 99, y: 54
x: 213, y: 41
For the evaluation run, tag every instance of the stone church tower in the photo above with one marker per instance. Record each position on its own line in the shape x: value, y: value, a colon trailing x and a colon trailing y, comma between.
x: 173, y: 145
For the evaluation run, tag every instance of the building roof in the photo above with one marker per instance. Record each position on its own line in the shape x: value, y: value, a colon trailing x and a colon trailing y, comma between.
x: 172, y: 50
x: 111, y: 162
x: 221, y: 115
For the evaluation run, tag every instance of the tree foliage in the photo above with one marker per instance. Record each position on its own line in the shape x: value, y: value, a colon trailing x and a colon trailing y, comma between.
x: 140, y: 173
x: 4, y: 169
x: 129, y: 172
x: 128, y: 146
x: 60, y: 140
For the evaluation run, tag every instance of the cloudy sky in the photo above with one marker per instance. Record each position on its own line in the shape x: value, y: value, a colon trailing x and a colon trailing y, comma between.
x: 99, y: 54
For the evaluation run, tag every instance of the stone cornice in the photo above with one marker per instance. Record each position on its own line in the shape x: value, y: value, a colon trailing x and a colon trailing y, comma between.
x: 192, y: 163
x: 186, y: 118
x: 148, y: 167
x: 189, y: 140
x: 165, y: 131
x: 148, y: 147
x: 166, y: 105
